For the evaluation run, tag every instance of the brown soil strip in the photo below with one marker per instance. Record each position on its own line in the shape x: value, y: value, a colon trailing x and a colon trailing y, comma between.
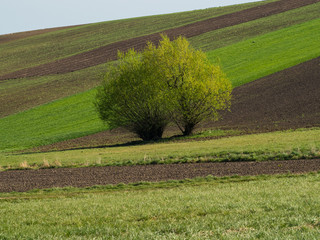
x: 23, y: 98
x: 283, y: 100
x: 16, y: 36
x: 109, y: 52
x: 24, y: 180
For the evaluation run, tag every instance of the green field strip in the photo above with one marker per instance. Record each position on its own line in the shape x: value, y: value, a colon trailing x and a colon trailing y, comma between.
x: 18, y: 95
x: 71, y: 117
x: 51, y: 46
x: 303, y: 143
x: 263, y: 207
x: 230, y: 35
x: 257, y: 57
x: 243, y: 62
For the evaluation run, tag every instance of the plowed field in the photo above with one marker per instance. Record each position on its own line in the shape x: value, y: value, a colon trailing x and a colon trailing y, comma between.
x: 109, y: 52
x: 283, y: 100
x: 84, y: 177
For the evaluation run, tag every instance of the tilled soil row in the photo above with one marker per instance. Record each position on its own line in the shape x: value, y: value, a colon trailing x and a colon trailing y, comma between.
x: 109, y: 52
x: 24, y: 180
x: 283, y: 100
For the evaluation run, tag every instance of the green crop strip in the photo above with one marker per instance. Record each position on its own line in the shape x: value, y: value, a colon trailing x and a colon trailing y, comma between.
x: 265, y: 207
x: 257, y: 57
x: 73, y: 117
x: 241, y: 32
x: 304, y: 143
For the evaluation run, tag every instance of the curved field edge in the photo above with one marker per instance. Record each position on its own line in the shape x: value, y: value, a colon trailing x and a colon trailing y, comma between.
x: 17, y: 95
x: 41, y: 90
x: 56, y: 45
x: 263, y: 55
x: 75, y: 116
x: 219, y: 208
x: 298, y: 144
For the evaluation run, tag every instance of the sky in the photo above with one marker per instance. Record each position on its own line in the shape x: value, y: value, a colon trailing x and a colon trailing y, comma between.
x: 26, y: 15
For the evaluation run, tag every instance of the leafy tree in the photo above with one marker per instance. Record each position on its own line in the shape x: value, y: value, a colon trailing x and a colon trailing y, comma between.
x: 164, y: 83
x: 199, y: 89
x: 133, y: 97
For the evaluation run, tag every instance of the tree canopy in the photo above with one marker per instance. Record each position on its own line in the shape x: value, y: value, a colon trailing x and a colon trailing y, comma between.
x: 171, y: 82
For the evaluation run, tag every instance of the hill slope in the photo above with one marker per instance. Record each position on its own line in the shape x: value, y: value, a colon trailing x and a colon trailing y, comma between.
x: 74, y: 116
x: 17, y: 95
x: 109, y: 52
x: 48, y: 47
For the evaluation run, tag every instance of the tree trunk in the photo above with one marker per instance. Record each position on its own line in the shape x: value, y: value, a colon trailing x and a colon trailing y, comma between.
x: 188, y: 129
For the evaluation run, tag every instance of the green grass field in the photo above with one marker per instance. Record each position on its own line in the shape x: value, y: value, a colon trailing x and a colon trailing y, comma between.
x: 260, y: 56
x: 256, y: 57
x: 304, y: 143
x: 265, y: 207
x: 73, y: 117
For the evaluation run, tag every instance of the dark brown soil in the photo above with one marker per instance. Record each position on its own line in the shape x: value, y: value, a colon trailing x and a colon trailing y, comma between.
x: 24, y: 180
x: 109, y: 52
x: 283, y: 100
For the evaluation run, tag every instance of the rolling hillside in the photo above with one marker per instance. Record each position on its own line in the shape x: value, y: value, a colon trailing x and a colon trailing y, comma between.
x: 21, y: 94
x: 254, y: 174
x: 109, y: 52
x: 255, y: 40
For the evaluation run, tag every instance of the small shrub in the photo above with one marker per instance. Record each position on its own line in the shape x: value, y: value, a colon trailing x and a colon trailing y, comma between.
x: 24, y: 164
x: 45, y: 164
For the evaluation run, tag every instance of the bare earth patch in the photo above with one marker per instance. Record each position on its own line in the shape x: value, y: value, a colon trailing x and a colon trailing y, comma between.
x: 24, y: 180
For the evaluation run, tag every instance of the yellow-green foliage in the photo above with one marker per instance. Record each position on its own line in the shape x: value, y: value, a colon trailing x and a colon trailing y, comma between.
x: 134, y: 96
x: 171, y: 82
x: 199, y: 88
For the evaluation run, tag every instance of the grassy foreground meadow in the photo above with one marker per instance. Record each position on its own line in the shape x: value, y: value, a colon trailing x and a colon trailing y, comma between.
x: 303, y: 143
x: 263, y: 207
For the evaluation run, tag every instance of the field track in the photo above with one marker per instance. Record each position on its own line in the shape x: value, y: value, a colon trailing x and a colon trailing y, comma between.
x: 109, y: 52
x: 24, y: 180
